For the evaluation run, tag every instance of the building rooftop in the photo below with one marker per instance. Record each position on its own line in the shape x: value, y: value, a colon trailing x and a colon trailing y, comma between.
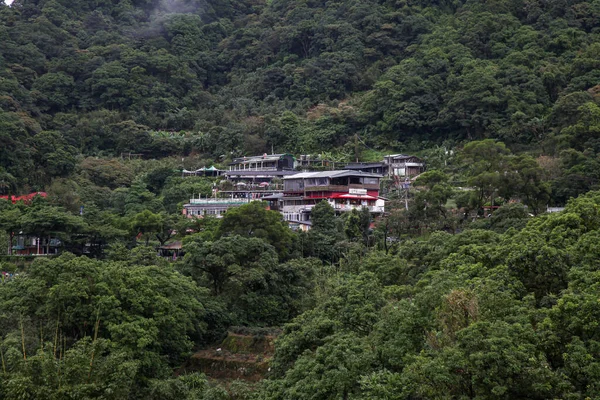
x: 274, y: 196
x: 364, y: 165
x: 217, y: 201
x: 399, y: 156
x: 332, y: 174
x: 264, y: 157
x: 211, y: 168
x: 265, y: 173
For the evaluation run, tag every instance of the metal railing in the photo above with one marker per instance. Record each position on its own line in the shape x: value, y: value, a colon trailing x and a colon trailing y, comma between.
x: 350, y: 207
x: 220, y: 201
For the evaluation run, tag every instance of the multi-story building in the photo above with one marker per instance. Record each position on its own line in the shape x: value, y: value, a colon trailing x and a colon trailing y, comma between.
x: 215, y: 207
x: 27, y: 245
x: 260, y: 169
x: 379, y: 168
x: 266, y: 162
x: 392, y: 166
x: 344, y: 190
x: 308, y: 161
x: 401, y: 165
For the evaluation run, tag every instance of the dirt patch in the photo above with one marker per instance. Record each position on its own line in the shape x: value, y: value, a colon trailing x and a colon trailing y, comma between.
x: 244, y: 357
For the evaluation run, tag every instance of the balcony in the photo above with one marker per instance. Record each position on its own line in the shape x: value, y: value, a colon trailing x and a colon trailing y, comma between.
x: 350, y: 207
x: 341, y: 188
x: 218, y: 201
x: 327, y: 188
x: 248, y: 167
x: 297, y: 209
x: 374, y: 186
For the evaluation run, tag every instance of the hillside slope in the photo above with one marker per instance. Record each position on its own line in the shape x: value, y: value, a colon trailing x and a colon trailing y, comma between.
x: 245, y: 76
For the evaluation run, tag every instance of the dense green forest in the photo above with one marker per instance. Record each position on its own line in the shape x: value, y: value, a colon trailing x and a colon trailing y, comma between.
x: 506, y: 309
x: 225, y: 78
x: 102, y: 103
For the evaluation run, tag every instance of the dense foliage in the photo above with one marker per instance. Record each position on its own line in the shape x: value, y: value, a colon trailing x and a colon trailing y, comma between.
x: 161, y: 78
x: 466, y: 288
x: 473, y: 315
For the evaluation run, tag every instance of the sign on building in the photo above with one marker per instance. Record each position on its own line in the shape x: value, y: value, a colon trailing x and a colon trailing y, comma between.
x: 357, y: 191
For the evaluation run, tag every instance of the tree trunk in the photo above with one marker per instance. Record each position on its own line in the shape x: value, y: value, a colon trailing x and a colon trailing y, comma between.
x: 385, y: 239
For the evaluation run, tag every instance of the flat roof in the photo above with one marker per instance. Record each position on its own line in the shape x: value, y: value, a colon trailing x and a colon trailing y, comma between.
x: 260, y: 173
x: 264, y: 157
x: 333, y: 174
x: 273, y: 196
x: 401, y: 156
x: 364, y: 165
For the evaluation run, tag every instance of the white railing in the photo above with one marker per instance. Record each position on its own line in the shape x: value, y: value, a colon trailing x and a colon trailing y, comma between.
x: 337, y: 207
x: 220, y: 201
x: 252, y: 168
x: 297, y: 209
x: 350, y: 207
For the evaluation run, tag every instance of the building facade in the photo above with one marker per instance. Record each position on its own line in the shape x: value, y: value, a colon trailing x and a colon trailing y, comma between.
x: 379, y: 168
x: 263, y: 169
x: 27, y: 245
x: 344, y: 190
x: 215, y: 207
x: 401, y: 165
x: 266, y: 162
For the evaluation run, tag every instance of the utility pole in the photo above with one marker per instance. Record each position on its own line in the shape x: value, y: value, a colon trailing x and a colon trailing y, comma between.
x: 406, y: 186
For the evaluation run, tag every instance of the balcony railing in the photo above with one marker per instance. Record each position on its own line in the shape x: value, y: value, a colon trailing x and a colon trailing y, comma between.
x: 341, y: 188
x: 297, y: 209
x: 252, y: 168
x: 219, y: 201
x: 350, y: 207
x: 368, y: 186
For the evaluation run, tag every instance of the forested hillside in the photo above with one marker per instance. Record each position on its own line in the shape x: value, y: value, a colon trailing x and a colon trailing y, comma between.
x: 103, y: 78
x: 465, y: 288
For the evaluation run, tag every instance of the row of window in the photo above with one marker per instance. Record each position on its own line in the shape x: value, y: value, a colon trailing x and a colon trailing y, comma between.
x: 298, y: 217
x: 211, y: 211
x: 294, y: 185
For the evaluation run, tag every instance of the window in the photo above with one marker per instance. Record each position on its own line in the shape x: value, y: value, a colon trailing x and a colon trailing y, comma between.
x: 294, y: 185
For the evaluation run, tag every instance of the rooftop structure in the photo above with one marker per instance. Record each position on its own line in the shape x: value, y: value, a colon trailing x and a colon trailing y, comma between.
x: 266, y: 162
x: 380, y: 168
x: 309, y: 160
x: 208, y: 171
